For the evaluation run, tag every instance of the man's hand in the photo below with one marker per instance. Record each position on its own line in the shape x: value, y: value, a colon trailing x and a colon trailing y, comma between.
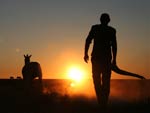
x: 86, y: 58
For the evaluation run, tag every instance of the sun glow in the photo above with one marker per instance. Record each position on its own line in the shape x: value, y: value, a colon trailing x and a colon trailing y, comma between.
x: 76, y: 74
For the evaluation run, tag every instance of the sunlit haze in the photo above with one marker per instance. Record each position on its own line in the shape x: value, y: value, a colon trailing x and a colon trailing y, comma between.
x: 54, y: 32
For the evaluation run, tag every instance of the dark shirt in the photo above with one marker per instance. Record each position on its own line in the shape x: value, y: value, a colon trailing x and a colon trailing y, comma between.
x: 103, y: 37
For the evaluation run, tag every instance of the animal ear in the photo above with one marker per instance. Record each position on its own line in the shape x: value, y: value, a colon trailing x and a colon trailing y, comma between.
x: 30, y: 55
x: 24, y: 55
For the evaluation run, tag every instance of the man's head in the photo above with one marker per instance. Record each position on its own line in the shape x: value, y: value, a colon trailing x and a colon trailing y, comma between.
x: 105, y: 19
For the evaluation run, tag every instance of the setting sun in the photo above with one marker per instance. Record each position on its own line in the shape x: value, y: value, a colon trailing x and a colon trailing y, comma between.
x: 76, y: 74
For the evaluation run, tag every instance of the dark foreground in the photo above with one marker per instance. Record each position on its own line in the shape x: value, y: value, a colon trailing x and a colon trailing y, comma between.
x: 14, y: 99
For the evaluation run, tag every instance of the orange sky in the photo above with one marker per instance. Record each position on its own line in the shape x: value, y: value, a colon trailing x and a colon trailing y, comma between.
x: 55, y: 32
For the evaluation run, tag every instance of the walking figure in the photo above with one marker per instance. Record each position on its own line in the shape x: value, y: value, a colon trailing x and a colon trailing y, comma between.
x: 103, y: 56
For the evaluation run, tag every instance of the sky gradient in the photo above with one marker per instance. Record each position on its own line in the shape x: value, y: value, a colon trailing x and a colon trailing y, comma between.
x: 54, y: 32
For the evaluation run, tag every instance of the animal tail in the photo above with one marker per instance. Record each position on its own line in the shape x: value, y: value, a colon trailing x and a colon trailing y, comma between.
x: 123, y: 72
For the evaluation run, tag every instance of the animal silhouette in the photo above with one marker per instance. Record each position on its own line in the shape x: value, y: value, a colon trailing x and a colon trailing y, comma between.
x: 31, y: 70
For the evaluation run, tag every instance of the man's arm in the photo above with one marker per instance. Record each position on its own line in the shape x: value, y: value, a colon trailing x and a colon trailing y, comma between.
x: 114, y: 49
x: 87, y: 44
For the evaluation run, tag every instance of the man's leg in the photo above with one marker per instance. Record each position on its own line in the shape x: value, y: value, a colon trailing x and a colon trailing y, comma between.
x: 97, y: 80
x: 106, y: 75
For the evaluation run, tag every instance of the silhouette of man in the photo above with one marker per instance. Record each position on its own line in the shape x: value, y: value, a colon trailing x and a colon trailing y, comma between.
x: 102, y: 57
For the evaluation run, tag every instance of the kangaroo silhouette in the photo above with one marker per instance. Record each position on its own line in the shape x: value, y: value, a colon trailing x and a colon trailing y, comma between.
x: 31, y: 70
